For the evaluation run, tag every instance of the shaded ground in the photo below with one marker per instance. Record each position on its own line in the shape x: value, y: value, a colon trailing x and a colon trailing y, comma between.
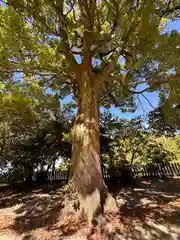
x: 149, y: 210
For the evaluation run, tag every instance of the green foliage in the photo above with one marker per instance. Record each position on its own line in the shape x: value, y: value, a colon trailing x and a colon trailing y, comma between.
x: 128, y: 146
x: 16, y: 174
x: 123, y: 143
x: 64, y: 166
x: 31, y: 130
x: 171, y: 145
x: 165, y: 120
x: 41, y: 39
x: 133, y: 144
x: 156, y: 152
x: 160, y: 124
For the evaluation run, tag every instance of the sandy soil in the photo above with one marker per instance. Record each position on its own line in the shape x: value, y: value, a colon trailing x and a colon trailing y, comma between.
x: 148, y: 210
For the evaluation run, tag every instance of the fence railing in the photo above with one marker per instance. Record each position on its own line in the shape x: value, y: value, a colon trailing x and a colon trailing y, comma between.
x: 157, y: 170
x: 57, y: 175
x: 138, y: 170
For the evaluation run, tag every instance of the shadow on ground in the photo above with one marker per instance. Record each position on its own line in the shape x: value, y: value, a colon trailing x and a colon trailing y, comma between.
x: 153, y: 206
x: 148, y: 210
x: 37, y: 208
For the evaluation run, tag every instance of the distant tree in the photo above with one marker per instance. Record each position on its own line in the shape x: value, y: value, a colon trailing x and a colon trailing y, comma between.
x: 165, y: 119
x: 159, y: 125
x: 137, y: 144
x: 129, y: 143
x: 32, y: 128
x: 171, y: 145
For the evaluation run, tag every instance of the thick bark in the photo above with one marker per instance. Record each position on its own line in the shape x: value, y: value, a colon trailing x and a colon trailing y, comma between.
x: 85, y: 169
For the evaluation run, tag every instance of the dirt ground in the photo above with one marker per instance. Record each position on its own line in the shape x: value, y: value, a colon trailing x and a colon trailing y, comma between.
x: 149, y: 210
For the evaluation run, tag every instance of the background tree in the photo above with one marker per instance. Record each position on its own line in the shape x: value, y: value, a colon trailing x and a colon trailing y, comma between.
x: 155, y: 152
x: 133, y: 140
x: 100, y: 51
x: 32, y: 129
x: 135, y: 144
x: 170, y: 144
x: 164, y: 120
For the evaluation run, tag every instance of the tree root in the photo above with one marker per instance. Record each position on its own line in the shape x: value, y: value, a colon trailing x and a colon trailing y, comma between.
x: 91, y: 208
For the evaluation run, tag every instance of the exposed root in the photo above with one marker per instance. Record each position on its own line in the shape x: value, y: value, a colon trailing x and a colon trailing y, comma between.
x: 110, y: 205
x: 71, y: 200
x: 91, y: 208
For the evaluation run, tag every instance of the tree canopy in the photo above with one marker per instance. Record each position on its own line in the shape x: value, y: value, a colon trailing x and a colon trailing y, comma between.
x: 122, y: 41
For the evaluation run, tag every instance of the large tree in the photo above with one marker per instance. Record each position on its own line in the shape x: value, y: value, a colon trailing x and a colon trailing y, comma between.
x: 100, y: 51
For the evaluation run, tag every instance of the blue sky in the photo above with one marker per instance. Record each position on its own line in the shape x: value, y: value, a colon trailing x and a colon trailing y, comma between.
x: 143, y: 105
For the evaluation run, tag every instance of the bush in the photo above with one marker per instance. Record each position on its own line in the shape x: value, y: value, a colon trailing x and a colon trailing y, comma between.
x: 16, y: 175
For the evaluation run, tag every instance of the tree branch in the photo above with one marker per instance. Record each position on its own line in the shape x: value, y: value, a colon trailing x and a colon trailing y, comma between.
x: 66, y: 50
x: 72, y: 7
x: 63, y: 34
x: 148, y: 100
x: 168, y: 10
x: 141, y: 105
x: 104, y: 54
x: 114, y: 58
x: 139, y: 92
x: 63, y: 76
x: 110, y: 95
x: 109, y: 67
x: 76, y: 52
x: 88, y: 12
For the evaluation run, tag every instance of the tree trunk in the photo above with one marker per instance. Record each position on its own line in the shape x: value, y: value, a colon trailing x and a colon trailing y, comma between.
x: 85, y: 169
x: 132, y: 158
x: 29, y: 177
